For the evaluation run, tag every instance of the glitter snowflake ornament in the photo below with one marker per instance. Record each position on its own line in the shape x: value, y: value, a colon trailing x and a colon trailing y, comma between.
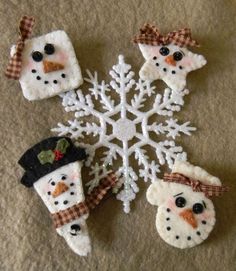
x: 125, y: 129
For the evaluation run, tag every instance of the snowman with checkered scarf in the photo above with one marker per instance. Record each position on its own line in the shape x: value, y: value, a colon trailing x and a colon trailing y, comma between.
x: 53, y: 168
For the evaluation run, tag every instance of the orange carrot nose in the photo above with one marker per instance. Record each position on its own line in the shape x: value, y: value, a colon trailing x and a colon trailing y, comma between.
x: 170, y: 60
x: 188, y: 216
x: 49, y: 66
x: 59, y: 189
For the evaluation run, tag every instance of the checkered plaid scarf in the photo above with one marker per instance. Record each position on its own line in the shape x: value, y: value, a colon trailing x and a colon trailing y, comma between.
x: 197, y: 186
x: 150, y: 35
x: 14, y: 66
x: 76, y: 211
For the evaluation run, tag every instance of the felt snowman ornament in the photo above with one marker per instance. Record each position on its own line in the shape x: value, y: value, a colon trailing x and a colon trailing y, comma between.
x: 46, y: 65
x: 53, y: 168
x: 167, y: 57
x: 185, y: 215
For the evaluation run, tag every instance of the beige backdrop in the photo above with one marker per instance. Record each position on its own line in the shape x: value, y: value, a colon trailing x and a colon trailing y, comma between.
x: 100, y: 30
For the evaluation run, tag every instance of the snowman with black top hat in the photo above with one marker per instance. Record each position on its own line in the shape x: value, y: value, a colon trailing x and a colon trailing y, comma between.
x: 53, y: 168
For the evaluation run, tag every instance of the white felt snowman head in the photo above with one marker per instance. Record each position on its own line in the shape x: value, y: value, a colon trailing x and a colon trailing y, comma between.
x: 184, y: 218
x: 53, y: 167
x: 167, y: 57
x: 48, y: 65
x: 60, y: 190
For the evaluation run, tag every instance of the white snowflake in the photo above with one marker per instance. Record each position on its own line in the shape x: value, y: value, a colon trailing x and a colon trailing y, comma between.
x: 125, y: 128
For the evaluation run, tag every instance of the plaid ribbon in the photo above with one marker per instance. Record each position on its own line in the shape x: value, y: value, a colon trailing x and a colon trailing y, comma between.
x: 14, y: 66
x: 149, y: 34
x: 76, y: 211
x: 197, y: 186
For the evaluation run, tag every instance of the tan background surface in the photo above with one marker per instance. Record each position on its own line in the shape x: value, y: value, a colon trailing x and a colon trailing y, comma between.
x: 100, y: 30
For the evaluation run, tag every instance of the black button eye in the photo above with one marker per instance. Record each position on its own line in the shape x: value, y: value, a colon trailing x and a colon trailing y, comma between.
x: 177, y: 56
x: 63, y: 177
x: 49, y: 49
x: 180, y: 202
x: 164, y: 51
x: 52, y: 183
x: 198, y: 208
x: 37, y: 56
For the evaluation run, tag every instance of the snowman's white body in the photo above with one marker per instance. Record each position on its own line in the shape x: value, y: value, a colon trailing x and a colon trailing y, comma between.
x: 173, y: 73
x: 70, y: 176
x: 38, y: 84
x: 180, y: 226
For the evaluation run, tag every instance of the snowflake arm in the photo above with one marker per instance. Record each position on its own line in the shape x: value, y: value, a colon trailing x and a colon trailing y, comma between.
x: 150, y: 170
x: 98, y: 174
x: 143, y: 88
x: 172, y: 128
x: 99, y: 91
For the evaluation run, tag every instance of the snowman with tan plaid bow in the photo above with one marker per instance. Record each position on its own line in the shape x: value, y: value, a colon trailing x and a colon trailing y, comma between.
x: 185, y: 215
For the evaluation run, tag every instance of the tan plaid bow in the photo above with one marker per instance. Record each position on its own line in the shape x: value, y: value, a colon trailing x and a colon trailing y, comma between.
x: 197, y: 186
x: 14, y: 66
x: 76, y: 211
x: 150, y: 35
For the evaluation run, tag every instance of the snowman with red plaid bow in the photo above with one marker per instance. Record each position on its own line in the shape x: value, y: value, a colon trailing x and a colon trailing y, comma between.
x: 167, y: 57
x: 185, y: 215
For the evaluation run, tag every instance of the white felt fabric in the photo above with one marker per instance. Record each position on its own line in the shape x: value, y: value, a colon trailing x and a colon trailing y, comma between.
x: 172, y: 227
x: 70, y: 175
x: 156, y: 66
x: 34, y: 89
x: 195, y: 172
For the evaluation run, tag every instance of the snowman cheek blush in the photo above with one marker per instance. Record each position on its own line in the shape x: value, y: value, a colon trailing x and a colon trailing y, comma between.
x: 62, y: 57
x: 171, y: 204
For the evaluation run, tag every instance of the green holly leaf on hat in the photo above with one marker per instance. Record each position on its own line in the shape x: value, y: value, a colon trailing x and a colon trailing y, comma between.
x: 46, y: 157
x: 62, y: 145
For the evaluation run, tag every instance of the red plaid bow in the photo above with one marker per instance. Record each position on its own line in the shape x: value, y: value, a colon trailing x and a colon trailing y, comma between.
x: 149, y: 34
x: 197, y: 186
x: 76, y: 211
x: 14, y: 66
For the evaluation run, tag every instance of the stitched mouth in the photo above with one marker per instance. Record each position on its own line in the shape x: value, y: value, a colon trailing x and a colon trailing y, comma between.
x: 46, y: 82
x: 73, y: 234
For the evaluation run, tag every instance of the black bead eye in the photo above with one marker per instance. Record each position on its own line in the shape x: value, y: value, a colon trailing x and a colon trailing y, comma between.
x: 180, y: 202
x: 164, y: 51
x: 37, y: 56
x: 52, y: 183
x: 177, y: 56
x: 198, y: 208
x: 63, y: 177
x: 49, y: 49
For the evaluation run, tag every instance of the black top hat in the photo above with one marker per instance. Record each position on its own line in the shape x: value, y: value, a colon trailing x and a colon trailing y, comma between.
x: 47, y: 156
